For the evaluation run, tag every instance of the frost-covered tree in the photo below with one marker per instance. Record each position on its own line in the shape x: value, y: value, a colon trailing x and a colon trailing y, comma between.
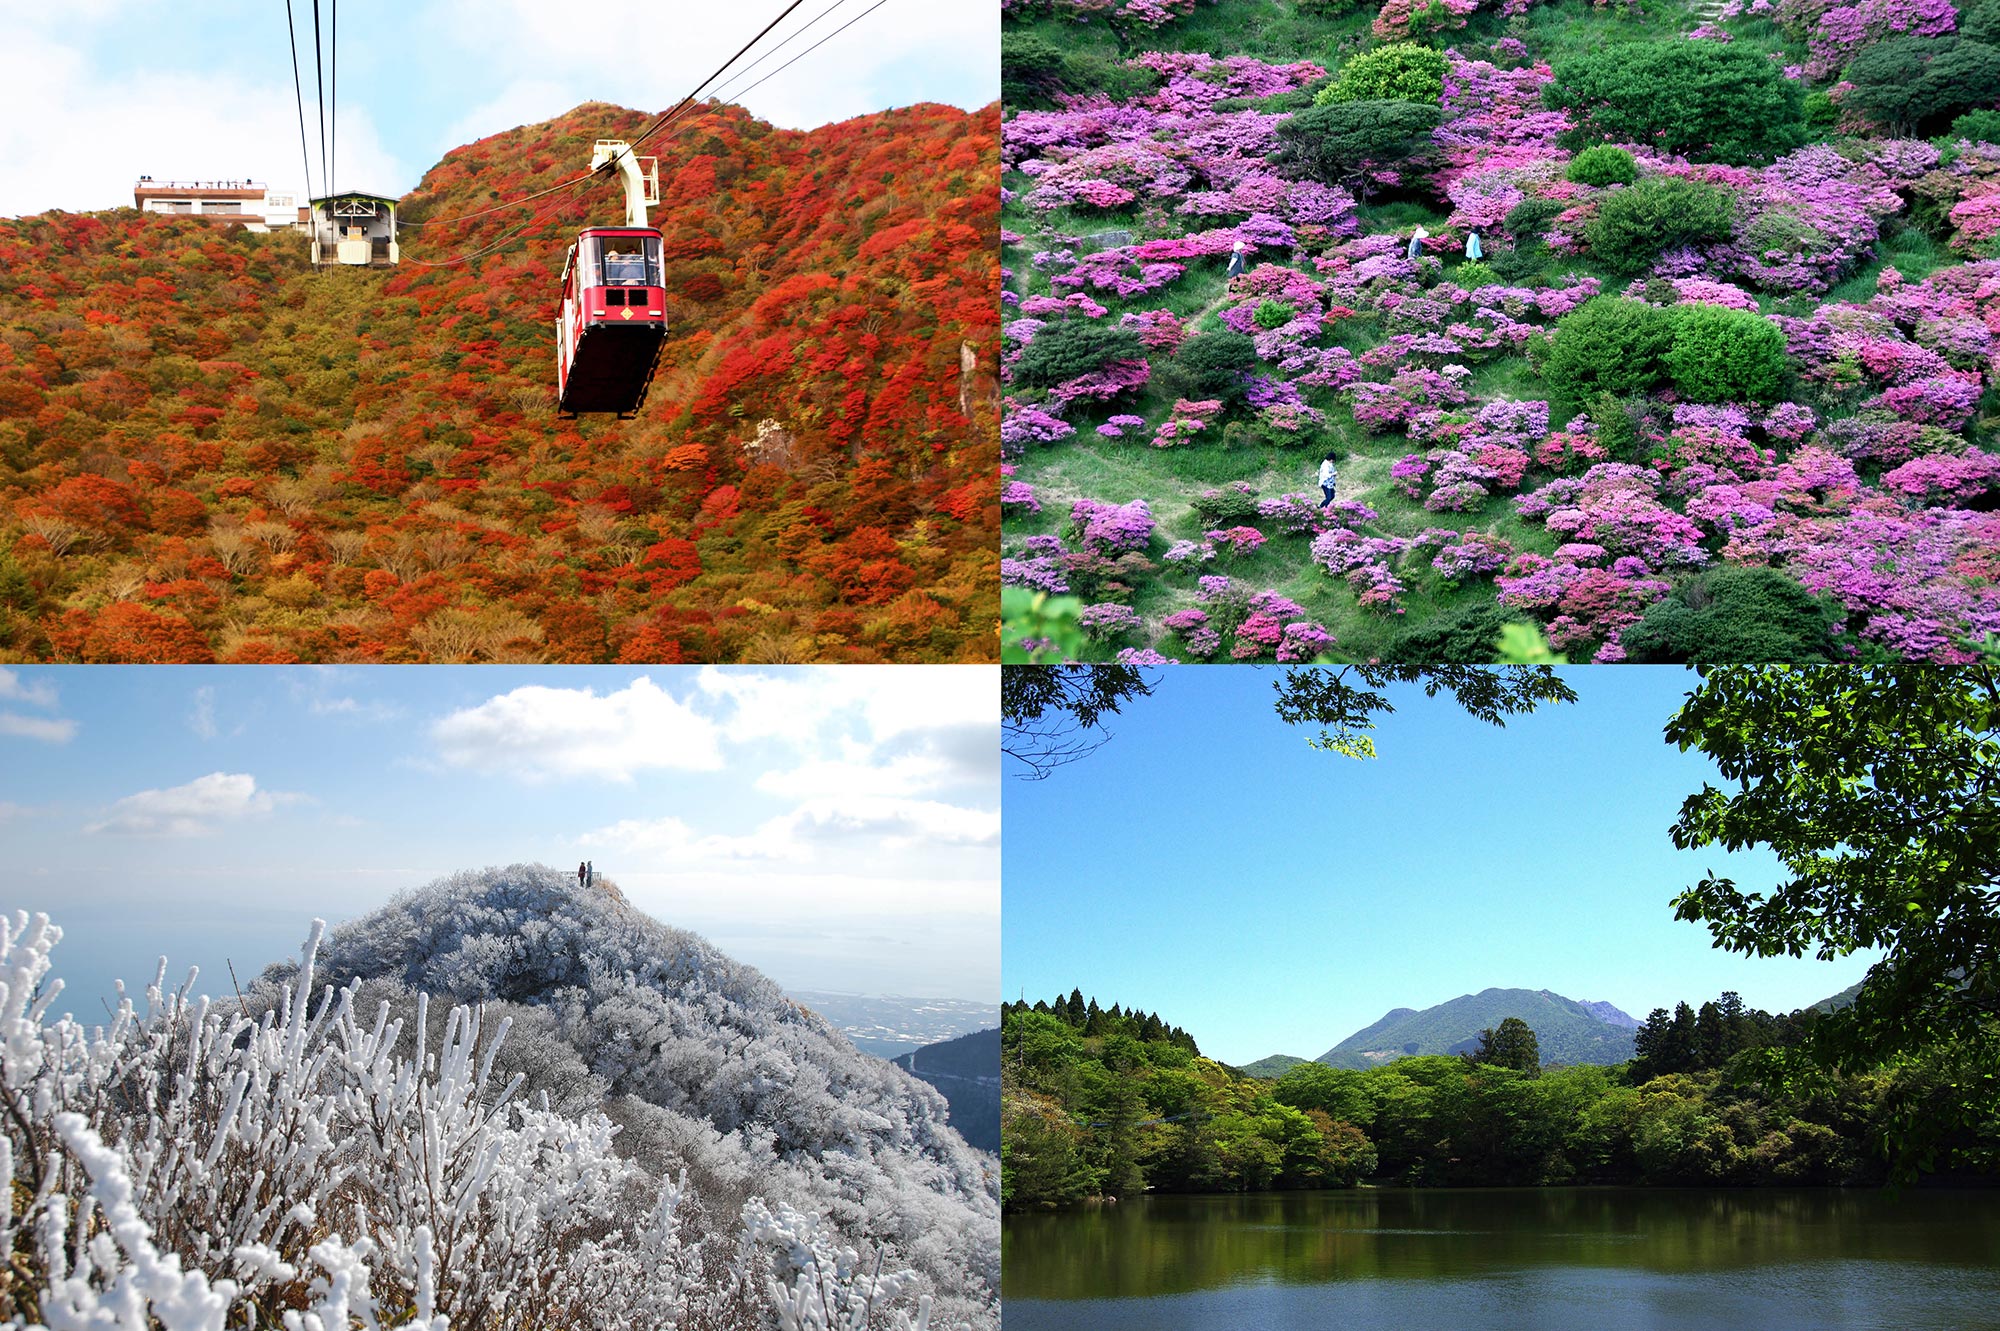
x: 331, y: 1153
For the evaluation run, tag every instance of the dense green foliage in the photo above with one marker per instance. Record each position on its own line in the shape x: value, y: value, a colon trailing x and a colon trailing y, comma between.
x: 1511, y: 1045
x: 1464, y: 633
x: 1401, y: 72
x: 1724, y: 355
x: 1212, y: 365
x: 1333, y: 143
x: 1723, y: 1096
x: 1607, y: 345
x: 1076, y: 348
x: 1112, y: 1104
x: 1876, y: 789
x: 1635, y: 225
x: 1911, y: 84
x: 1602, y: 165
x: 1705, y: 100
x: 1979, y: 126
x: 1737, y: 614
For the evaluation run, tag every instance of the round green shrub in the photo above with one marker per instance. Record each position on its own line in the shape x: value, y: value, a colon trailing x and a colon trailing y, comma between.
x: 1607, y: 345
x: 1603, y: 165
x: 1225, y: 506
x: 1328, y: 8
x: 1473, y: 275
x: 1075, y: 348
x: 1212, y: 365
x: 1636, y: 224
x: 1335, y: 142
x: 1468, y: 634
x: 1273, y: 314
x: 1911, y: 84
x: 1704, y: 100
x: 1755, y: 616
x: 1978, y: 126
x: 1723, y: 355
x: 1401, y: 72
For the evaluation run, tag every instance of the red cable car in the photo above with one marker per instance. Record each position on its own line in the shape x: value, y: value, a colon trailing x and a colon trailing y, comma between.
x: 613, y: 318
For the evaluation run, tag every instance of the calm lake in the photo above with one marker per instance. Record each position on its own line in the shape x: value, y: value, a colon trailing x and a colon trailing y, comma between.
x: 1565, y: 1259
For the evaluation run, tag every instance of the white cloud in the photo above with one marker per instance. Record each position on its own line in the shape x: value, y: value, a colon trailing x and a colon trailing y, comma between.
x: 195, y: 809
x: 536, y: 733
x: 220, y: 126
x: 673, y: 839
x: 916, y: 50
x: 48, y: 729
x: 876, y: 830
x: 41, y: 693
x: 907, y: 774
x: 893, y: 823
x: 201, y: 717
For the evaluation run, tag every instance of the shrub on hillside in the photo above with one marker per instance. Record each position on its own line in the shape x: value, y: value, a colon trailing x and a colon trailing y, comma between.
x: 1635, y: 225
x: 1607, y: 345
x: 1465, y: 635
x: 1910, y: 84
x: 1724, y: 355
x: 1737, y: 614
x: 1705, y: 100
x: 1401, y: 72
x: 1212, y: 365
x: 1071, y: 349
x: 1329, y: 8
x: 1337, y: 142
x: 1978, y: 126
x: 1603, y: 165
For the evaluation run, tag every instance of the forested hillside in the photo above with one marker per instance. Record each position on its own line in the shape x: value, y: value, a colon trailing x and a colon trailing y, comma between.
x: 1722, y: 1094
x: 1656, y: 332
x: 209, y: 451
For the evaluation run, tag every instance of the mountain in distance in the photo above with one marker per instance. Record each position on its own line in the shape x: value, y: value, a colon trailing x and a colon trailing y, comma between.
x: 966, y: 1072
x: 1274, y: 1066
x: 1845, y: 998
x: 211, y: 451
x: 701, y: 1062
x: 1567, y: 1031
x: 887, y: 1025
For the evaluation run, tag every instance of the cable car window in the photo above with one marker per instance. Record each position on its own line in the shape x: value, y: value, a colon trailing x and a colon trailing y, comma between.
x: 625, y: 260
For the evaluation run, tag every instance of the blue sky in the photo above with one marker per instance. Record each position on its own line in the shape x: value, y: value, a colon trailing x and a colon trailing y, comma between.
x: 838, y: 829
x: 94, y: 93
x: 1271, y: 898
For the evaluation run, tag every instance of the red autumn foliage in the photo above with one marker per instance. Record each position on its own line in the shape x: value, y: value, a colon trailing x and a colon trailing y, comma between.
x: 365, y: 465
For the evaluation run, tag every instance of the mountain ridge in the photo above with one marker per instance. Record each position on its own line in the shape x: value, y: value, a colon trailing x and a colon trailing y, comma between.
x: 1567, y: 1030
x: 701, y: 1061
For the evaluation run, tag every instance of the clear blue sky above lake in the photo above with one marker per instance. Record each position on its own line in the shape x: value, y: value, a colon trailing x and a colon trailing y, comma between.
x: 836, y: 828
x: 1271, y: 898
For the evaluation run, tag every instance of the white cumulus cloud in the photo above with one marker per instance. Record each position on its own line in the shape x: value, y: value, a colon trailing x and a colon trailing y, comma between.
x: 536, y: 733
x: 195, y: 809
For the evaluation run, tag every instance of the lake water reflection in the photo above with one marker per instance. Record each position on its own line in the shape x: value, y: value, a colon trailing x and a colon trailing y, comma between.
x: 1566, y: 1259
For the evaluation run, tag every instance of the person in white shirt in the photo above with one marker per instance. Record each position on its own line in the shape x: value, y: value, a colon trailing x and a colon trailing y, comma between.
x: 1326, y: 480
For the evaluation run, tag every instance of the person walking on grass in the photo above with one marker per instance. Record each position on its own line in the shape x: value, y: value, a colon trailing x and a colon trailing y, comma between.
x: 1327, y: 480
x: 1235, y: 269
x: 1474, y: 251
